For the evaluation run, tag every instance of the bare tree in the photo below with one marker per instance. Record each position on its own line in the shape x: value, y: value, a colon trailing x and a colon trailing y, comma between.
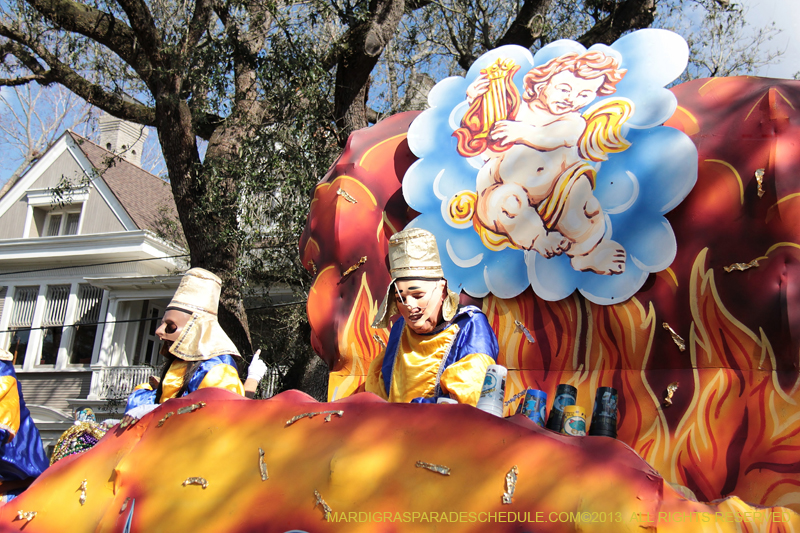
x: 32, y: 117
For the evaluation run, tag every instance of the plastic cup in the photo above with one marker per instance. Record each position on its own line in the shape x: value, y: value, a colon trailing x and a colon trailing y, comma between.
x: 493, y: 391
x: 604, y: 415
x: 574, y: 421
x: 565, y: 395
x: 534, y: 406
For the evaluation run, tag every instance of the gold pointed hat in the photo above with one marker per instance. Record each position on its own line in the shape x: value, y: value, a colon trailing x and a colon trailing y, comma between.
x: 199, y: 291
x: 413, y: 253
x: 202, y: 338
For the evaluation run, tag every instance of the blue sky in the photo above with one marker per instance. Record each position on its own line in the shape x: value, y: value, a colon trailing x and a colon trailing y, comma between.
x: 786, y: 15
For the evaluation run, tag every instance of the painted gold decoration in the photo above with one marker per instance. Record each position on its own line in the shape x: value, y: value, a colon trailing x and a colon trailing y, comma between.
x: 760, y: 181
x: 439, y: 469
x: 525, y: 331
x: 677, y: 339
x: 82, y: 488
x: 671, y: 388
x: 344, y: 194
x: 161, y: 422
x: 355, y: 267
x: 22, y: 515
x: 191, y: 408
x: 496, y: 103
x: 325, y: 507
x: 262, y: 465
x: 379, y: 340
x: 511, y: 484
x: 196, y: 481
x: 312, y: 415
x: 741, y: 266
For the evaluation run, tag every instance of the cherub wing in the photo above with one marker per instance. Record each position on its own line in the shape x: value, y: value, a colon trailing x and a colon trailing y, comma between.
x: 603, y: 133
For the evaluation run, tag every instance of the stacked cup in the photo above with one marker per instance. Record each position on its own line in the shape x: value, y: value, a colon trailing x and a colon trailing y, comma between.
x: 565, y: 395
x: 494, y: 390
x: 604, y: 416
x: 574, y: 421
x: 534, y: 406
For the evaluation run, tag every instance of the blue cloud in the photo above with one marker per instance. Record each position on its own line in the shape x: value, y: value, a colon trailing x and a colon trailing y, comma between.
x: 635, y: 187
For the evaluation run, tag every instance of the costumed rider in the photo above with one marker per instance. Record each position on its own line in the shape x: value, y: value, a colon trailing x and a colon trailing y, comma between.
x: 436, y: 349
x: 22, y: 456
x: 198, y: 353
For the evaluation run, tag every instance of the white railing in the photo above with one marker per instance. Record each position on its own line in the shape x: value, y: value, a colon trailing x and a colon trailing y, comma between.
x: 271, y: 381
x: 117, y: 382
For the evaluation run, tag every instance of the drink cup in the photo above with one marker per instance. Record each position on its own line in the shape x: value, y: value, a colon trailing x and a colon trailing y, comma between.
x: 565, y: 395
x: 534, y: 406
x: 493, y: 391
x: 604, y: 415
x: 574, y: 421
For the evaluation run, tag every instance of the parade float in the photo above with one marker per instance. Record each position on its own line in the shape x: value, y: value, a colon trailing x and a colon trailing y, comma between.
x: 684, y: 302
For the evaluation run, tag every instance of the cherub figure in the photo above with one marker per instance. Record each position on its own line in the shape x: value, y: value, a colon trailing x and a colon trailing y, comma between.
x: 535, y: 190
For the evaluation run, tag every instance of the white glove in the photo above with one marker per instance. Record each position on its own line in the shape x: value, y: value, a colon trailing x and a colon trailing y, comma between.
x: 257, y: 368
x: 139, y: 412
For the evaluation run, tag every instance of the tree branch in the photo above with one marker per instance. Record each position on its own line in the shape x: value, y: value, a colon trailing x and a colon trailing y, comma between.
x: 141, y: 20
x: 197, y: 26
x: 66, y: 76
x: 528, y: 25
x: 99, y: 26
x: 630, y: 15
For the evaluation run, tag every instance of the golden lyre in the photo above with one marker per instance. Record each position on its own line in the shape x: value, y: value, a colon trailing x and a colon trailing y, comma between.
x: 495, y: 101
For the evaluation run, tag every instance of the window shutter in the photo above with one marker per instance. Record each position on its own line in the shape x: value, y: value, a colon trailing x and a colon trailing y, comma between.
x: 89, y: 300
x: 24, y: 306
x: 56, y: 309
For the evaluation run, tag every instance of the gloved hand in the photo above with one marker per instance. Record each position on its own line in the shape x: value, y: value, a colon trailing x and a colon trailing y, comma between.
x: 132, y: 416
x: 257, y: 368
x: 139, y: 412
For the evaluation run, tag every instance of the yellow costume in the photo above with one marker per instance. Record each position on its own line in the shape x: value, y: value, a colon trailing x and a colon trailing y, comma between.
x: 449, y: 362
x: 202, y: 343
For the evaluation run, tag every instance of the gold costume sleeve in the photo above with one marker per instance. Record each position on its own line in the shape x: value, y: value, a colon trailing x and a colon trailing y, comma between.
x: 464, y: 378
x: 9, y: 406
x: 375, y: 377
x: 223, y: 377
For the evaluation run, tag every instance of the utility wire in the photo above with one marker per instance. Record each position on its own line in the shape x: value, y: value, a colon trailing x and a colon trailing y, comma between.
x: 148, y: 319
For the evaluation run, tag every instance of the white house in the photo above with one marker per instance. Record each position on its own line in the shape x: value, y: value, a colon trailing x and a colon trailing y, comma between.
x: 83, y: 282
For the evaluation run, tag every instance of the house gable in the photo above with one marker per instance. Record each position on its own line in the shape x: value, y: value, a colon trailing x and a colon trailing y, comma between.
x: 102, y: 211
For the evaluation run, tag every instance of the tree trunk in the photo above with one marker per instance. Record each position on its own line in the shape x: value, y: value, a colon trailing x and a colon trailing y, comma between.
x: 207, y: 208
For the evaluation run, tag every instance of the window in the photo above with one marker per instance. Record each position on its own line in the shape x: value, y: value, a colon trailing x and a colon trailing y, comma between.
x: 3, y: 292
x: 152, y: 344
x: 53, y: 322
x: 86, y: 318
x: 62, y: 223
x: 20, y: 323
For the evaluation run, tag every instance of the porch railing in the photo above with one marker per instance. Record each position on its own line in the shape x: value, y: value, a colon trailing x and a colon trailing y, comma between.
x: 116, y: 383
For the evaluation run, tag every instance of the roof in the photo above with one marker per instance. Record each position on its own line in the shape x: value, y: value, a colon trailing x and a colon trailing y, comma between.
x: 146, y: 198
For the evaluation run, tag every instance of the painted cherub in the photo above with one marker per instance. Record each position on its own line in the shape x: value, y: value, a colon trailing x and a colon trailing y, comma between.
x: 535, y: 190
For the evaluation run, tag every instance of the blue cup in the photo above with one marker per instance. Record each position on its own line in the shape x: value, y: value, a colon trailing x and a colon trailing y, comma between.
x: 534, y: 406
